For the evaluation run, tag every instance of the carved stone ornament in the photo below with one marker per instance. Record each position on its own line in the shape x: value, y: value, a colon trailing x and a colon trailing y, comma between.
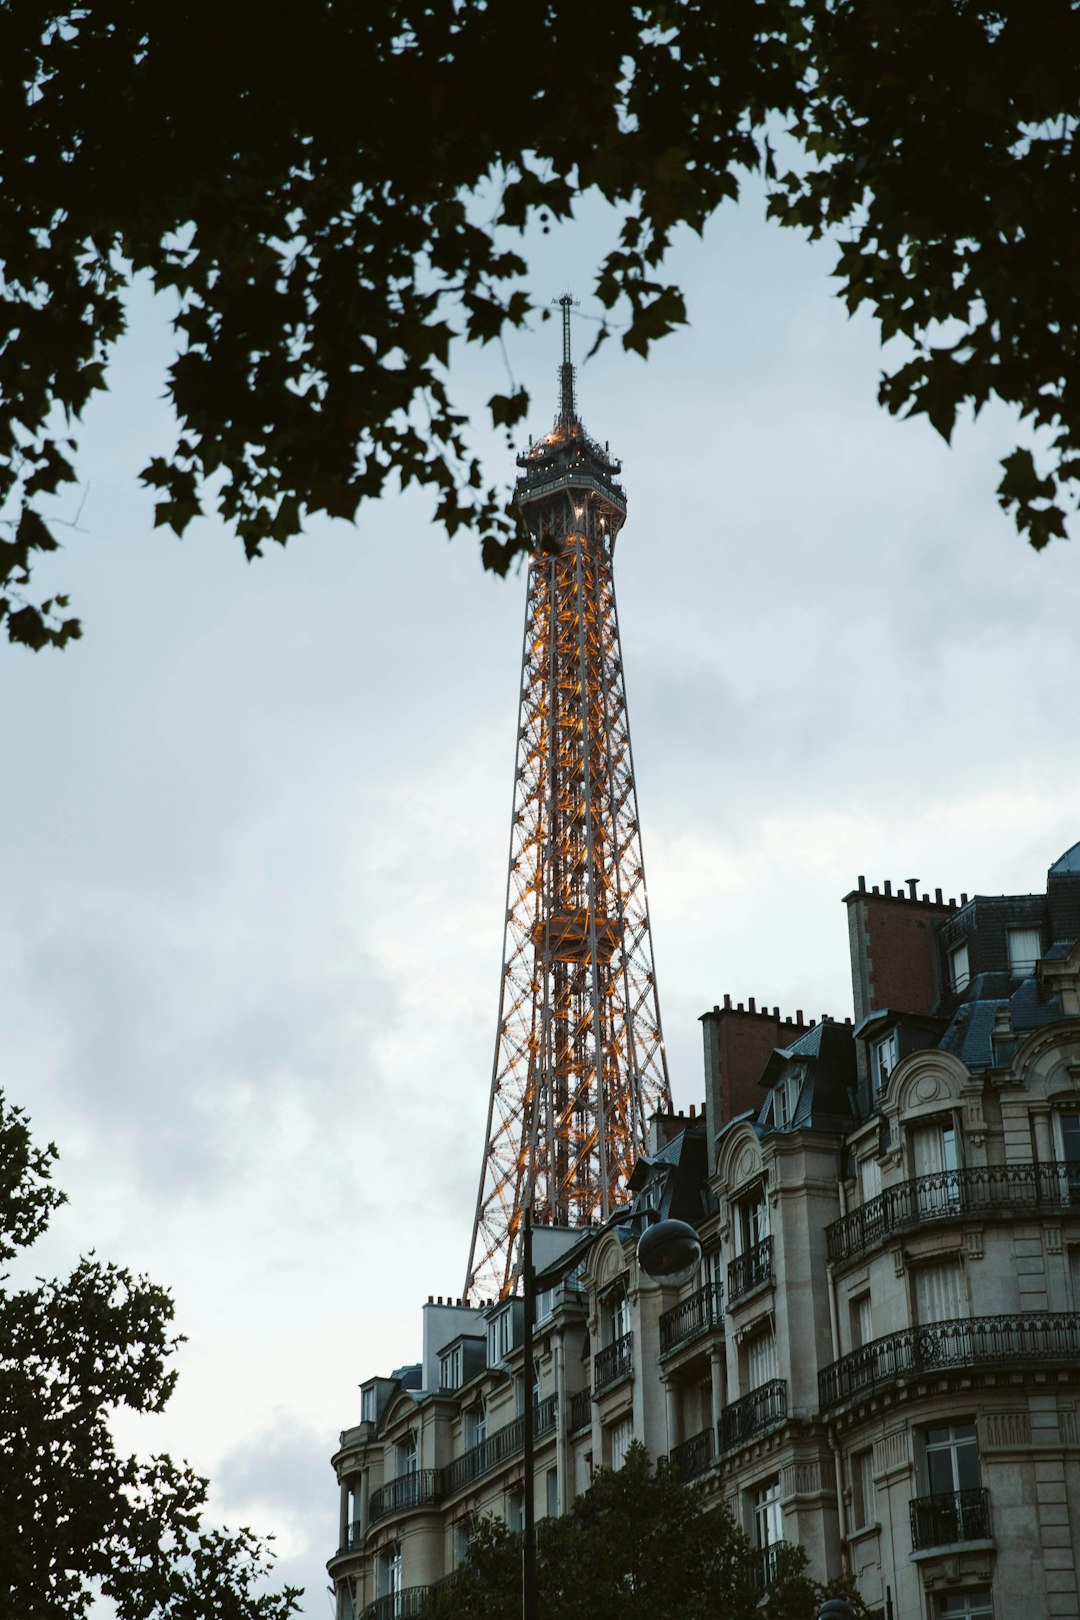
x: 928, y: 1088
x: 748, y: 1163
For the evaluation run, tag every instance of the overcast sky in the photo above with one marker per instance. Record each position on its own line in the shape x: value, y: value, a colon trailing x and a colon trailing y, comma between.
x: 255, y: 824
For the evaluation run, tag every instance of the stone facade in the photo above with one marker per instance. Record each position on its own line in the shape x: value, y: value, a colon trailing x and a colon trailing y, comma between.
x: 880, y: 1356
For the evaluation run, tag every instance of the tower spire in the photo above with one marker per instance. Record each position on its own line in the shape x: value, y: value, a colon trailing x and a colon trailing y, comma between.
x: 567, y: 417
x: 579, y: 1055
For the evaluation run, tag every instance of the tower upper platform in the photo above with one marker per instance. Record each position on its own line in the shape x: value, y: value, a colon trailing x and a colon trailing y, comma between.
x: 569, y: 482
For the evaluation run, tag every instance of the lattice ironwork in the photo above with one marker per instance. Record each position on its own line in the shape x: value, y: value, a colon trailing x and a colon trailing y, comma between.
x: 579, y: 1060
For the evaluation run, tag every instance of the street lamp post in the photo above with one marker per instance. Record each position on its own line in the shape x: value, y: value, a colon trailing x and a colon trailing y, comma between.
x: 668, y: 1251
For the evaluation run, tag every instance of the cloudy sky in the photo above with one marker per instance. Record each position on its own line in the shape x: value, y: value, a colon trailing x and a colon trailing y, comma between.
x: 255, y: 824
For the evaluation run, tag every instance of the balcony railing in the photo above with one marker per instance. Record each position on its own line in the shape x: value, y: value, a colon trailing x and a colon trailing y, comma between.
x: 405, y: 1604
x: 693, y: 1457
x: 420, y: 1489
x: 613, y: 1363
x: 1024, y: 1189
x: 1044, y: 1339
x: 749, y: 1270
x: 504, y: 1443
x: 692, y: 1317
x: 762, y: 1409
x: 943, y: 1520
x: 580, y: 1410
x: 354, y: 1535
x: 764, y: 1562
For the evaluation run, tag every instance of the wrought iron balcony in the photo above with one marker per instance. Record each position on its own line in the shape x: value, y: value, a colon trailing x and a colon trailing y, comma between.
x: 944, y: 1519
x: 613, y: 1363
x: 1010, y: 1189
x: 693, y: 1456
x: 764, y: 1563
x: 498, y: 1447
x: 692, y: 1317
x: 420, y: 1489
x: 405, y: 1604
x: 580, y: 1410
x: 757, y: 1412
x: 1024, y: 1340
x: 749, y: 1270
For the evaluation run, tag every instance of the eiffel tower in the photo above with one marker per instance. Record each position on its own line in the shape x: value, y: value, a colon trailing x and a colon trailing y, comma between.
x: 579, y: 1056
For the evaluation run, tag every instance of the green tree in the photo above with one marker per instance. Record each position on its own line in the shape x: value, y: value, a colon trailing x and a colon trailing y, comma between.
x: 76, y: 1518
x: 331, y: 193
x: 637, y: 1545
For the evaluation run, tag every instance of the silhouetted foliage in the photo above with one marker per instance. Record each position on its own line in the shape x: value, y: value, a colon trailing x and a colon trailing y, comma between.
x: 331, y: 193
x: 638, y: 1545
x: 76, y: 1518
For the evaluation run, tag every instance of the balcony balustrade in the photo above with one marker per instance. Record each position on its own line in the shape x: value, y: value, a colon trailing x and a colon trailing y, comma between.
x: 498, y: 1447
x: 748, y: 1271
x: 1023, y: 1340
x: 423, y: 1488
x: 404, y: 1604
x: 762, y: 1409
x: 691, y: 1318
x: 944, y: 1520
x: 985, y: 1190
x: 613, y: 1364
x: 764, y: 1563
x: 692, y: 1457
x: 580, y: 1410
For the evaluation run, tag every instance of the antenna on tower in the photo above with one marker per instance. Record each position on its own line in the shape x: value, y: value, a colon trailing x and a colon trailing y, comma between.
x: 567, y: 405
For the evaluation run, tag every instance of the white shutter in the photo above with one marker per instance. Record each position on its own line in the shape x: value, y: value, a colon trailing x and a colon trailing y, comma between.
x: 939, y: 1295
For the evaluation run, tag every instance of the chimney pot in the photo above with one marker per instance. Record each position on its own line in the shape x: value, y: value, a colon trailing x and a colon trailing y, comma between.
x: 875, y: 890
x: 913, y: 884
x: 888, y: 886
x: 727, y: 1003
x: 862, y: 883
x: 752, y: 1004
x: 963, y: 899
x: 798, y: 1015
x: 937, y: 897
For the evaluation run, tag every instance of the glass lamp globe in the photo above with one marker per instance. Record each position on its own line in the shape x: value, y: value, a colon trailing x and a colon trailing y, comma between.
x: 670, y: 1252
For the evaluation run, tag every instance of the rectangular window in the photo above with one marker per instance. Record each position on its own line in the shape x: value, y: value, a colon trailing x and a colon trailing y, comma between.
x: 500, y: 1337
x: 552, y: 1492
x: 1025, y: 948
x: 462, y: 1535
x: 515, y: 1511
x: 620, y: 1436
x: 939, y: 1293
x: 367, y: 1406
x: 869, y: 1178
x: 618, y: 1317
x: 974, y: 1604
x: 760, y: 1359
x: 884, y: 1056
x: 752, y: 1222
x: 862, y: 1321
x: 959, y: 971
x: 475, y: 1426
x: 407, y: 1454
x: 934, y: 1147
x: 952, y: 1459
x: 450, y: 1369
x: 786, y: 1099
x: 768, y: 1516
x: 863, y: 1505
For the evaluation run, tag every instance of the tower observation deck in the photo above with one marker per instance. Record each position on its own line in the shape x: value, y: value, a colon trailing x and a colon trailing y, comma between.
x: 579, y: 1055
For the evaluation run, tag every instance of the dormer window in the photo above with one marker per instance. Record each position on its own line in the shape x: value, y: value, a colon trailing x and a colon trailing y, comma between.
x: 500, y: 1336
x: 367, y: 1405
x: 451, y: 1369
x: 1025, y: 949
x: 959, y: 969
x: 884, y: 1056
x: 786, y: 1099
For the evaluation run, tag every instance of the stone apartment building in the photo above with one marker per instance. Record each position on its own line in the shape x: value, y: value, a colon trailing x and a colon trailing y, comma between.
x: 880, y: 1357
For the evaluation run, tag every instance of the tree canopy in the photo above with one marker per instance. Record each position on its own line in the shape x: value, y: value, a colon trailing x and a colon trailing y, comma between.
x: 76, y: 1518
x: 637, y: 1545
x: 330, y: 194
